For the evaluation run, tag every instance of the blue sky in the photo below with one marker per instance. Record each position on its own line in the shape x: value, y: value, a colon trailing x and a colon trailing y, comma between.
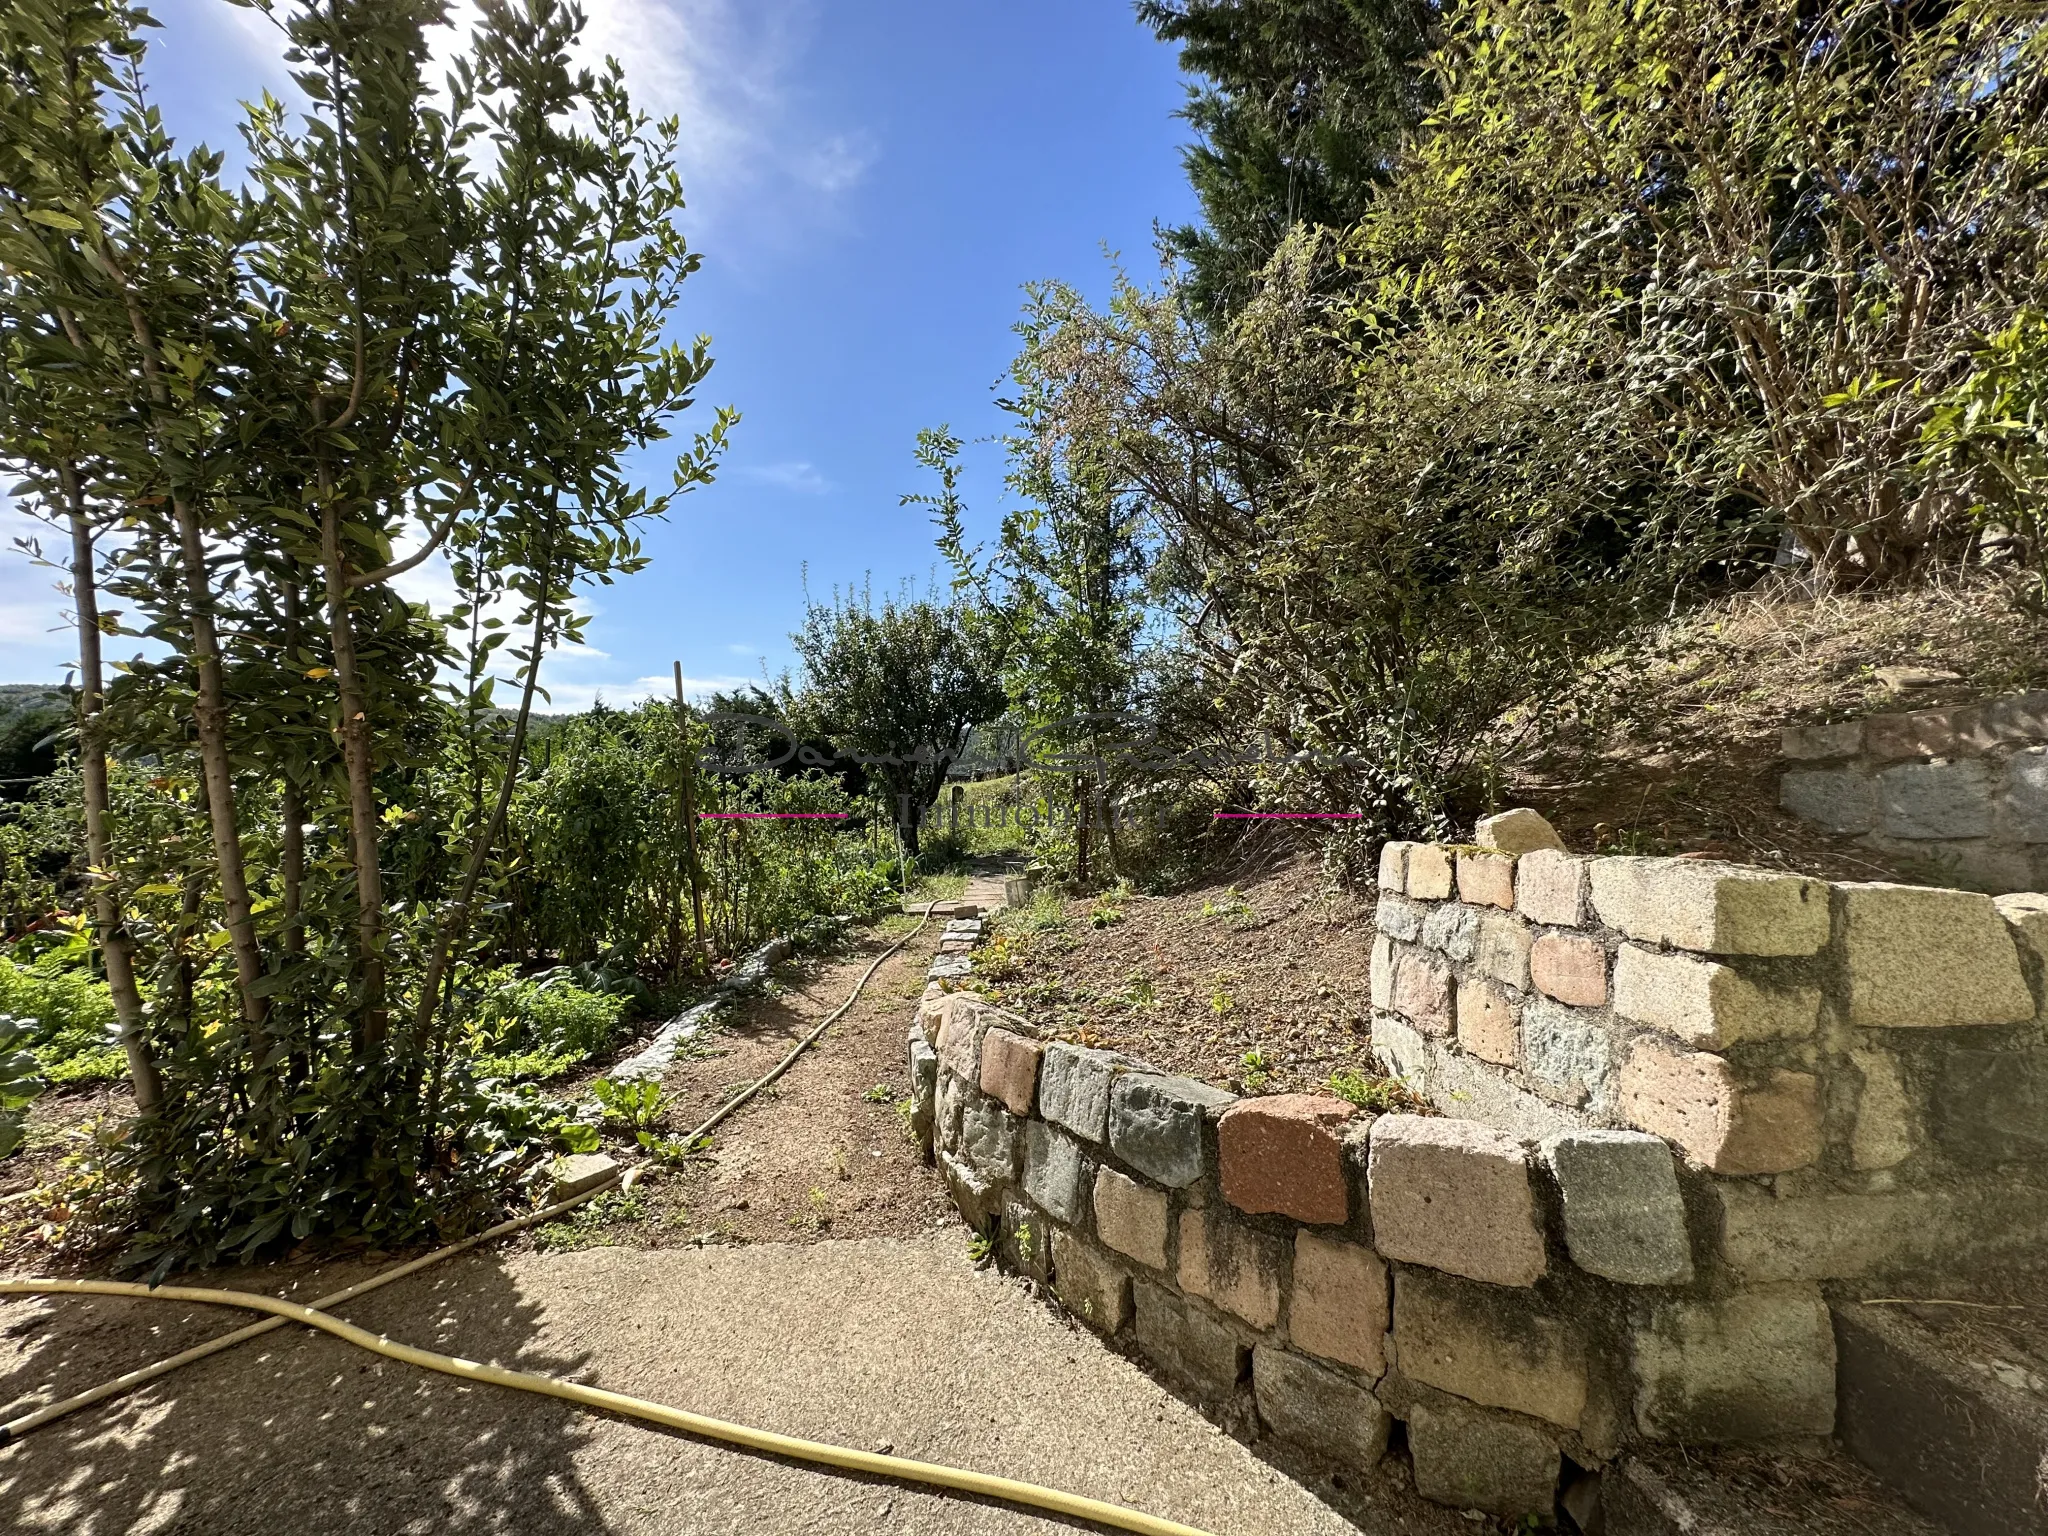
x: 871, y: 185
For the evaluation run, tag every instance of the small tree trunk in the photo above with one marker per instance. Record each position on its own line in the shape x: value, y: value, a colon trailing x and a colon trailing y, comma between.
x: 143, y: 1076
x: 365, y: 829
x: 210, y: 715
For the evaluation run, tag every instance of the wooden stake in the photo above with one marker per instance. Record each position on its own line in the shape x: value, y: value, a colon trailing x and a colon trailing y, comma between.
x: 689, y: 783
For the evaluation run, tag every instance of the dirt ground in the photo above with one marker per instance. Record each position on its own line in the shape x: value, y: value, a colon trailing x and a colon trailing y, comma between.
x: 823, y: 1153
x: 1681, y: 754
x: 728, y: 1289
x: 1254, y: 978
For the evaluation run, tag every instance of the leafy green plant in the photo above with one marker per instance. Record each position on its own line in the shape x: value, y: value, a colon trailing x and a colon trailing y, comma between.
x: 588, y: 1226
x: 1258, y: 1070
x: 1381, y: 1095
x: 670, y: 1151
x: 881, y: 1093
x: 981, y: 1249
x: 546, y: 1012
x: 1104, y: 913
x: 1232, y: 908
x: 19, y: 1083
x: 635, y: 1103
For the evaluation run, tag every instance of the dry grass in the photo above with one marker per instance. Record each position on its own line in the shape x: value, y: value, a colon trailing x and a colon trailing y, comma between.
x: 1684, y: 757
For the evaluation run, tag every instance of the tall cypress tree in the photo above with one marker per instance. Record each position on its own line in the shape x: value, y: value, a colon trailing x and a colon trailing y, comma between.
x: 1299, y: 121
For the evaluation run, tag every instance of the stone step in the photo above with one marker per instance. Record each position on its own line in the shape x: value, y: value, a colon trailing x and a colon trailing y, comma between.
x: 1946, y: 1399
x: 1727, y: 1492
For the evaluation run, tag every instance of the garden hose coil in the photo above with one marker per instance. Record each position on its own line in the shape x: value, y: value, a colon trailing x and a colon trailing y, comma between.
x: 316, y: 1316
x: 982, y: 1484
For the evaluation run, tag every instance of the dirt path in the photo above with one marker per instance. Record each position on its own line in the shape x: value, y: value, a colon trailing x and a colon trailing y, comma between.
x: 867, y: 1326
x: 825, y: 1152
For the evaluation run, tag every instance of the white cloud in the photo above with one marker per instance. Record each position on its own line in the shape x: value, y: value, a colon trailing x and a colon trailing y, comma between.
x: 798, y: 475
x: 737, y: 649
x: 572, y: 697
x: 839, y: 163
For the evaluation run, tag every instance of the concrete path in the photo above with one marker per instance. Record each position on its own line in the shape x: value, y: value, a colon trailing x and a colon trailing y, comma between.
x: 877, y: 1343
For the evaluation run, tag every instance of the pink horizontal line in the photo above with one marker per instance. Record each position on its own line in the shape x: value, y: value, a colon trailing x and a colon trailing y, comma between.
x: 775, y: 815
x: 1288, y: 815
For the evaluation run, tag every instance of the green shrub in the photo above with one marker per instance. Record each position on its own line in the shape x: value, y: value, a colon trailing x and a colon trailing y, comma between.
x: 67, y: 1018
x: 544, y: 1015
x: 18, y: 1081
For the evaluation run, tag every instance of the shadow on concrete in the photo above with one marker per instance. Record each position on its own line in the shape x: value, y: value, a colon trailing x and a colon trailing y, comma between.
x: 294, y: 1431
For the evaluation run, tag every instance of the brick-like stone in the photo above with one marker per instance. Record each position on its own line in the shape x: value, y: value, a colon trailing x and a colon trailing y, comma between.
x: 1922, y: 958
x: 1469, y: 1458
x: 1382, y: 972
x: 1623, y: 1216
x: 1394, y: 868
x: 1755, y: 1366
x: 1131, y: 1218
x: 1201, y: 1351
x: 1936, y: 800
x: 1073, y: 1088
x: 1767, y: 1237
x: 1398, y: 918
x: 1518, y: 831
x: 1421, y: 990
x: 1924, y: 733
x: 1054, y: 1173
x: 1841, y: 799
x: 946, y: 1118
x: 2026, y: 795
x: 2026, y: 919
x: 1720, y: 909
x: 1009, y: 1069
x: 1451, y: 929
x: 1232, y: 1265
x: 1283, y: 1155
x: 962, y: 1018
x: 1570, y: 969
x: 1318, y: 1409
x: 1884, y: 1131
x: 1089, y: 1283
x: 1500, y: 1350
x: 578, y: 1173
x: 1817, y: 743
x: 978, y: 1200
x: 924, y: 1087
x: 1339, y: 1306
x: 1501, y: 950
x: 1485, y: 878
x: 1568, y: 1054
x: 1455, y: 1195
x: 1155, y: 1124
x: 1992, y: 1106
x: 1706, y: 1003
x: 1696, y: 1101
x: 1488, y: 1024
x: 1430, y: 874
x: 931, y: 1010
x: 1024, y: 1241
x: 1550, y: 887
x: 989, y: 1139
x: 2018, y: 717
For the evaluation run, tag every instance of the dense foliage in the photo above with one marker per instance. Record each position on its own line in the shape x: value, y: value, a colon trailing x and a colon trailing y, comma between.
x: 1517, y: 326
x: 895, y: 686
x: 237, y: 404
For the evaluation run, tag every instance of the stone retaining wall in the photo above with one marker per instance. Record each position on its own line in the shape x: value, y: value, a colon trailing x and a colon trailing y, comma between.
x: 1963, y: 791
x: 1676, y: 1098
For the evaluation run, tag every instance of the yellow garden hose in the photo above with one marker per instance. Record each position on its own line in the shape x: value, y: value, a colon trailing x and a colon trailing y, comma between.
x: 979, y: 1483
x: 982, y: 1484
x: 13, y: 1429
